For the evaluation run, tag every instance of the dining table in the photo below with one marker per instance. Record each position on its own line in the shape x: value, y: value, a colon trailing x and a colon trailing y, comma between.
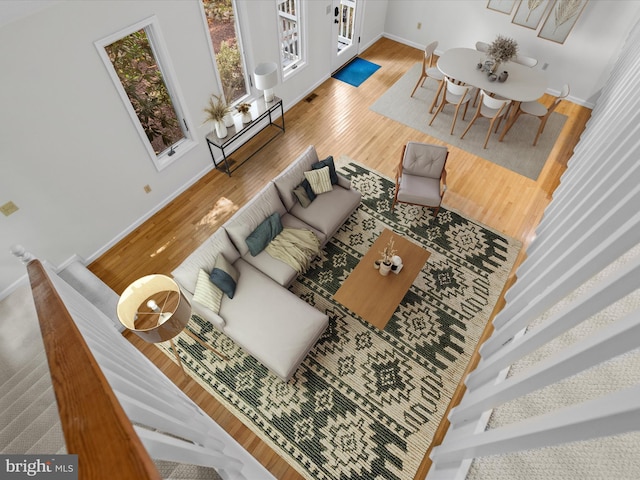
x: 523, y: 84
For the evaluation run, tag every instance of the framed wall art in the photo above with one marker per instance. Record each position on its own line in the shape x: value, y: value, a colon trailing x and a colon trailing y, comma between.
x: 561, y: 19
x: 530, y: 12
x: 503, y: 6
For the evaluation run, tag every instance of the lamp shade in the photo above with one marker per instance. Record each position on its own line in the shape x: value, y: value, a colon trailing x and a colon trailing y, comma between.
x: 154, y: 308
x: 266, y: 77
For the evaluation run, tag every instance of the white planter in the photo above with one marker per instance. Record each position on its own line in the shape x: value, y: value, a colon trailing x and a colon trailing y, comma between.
x: 246, y: 117
x: 385, y: 268
x: 228, y: 120
x: 221, y: 130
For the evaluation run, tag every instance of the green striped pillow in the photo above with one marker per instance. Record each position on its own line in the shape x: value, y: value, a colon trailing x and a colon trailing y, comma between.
x: 206, y: 293
x: 320, y: 180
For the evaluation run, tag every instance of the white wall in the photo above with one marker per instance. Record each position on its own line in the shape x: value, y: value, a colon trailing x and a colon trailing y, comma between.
x: 584, y: 60
x: 71, y: 160
x: 69, y: 156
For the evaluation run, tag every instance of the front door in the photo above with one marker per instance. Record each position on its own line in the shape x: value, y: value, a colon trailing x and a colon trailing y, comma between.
x: 345, y: 32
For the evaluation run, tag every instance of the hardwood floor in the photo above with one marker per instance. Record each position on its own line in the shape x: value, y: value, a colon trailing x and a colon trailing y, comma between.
x: 338, y: 121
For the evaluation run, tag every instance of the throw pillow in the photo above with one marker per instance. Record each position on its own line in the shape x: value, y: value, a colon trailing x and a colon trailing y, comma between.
x: 224, y: 276
x: 207, y: 293
x: 304, y: 193
x: 268, y: 229
x: 319, y: 180
x: 328, y: 162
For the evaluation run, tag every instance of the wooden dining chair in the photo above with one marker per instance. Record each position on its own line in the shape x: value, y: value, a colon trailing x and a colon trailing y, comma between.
x: 539, y: 110
x: 482, y: 47
x: 526, y: 61
x: 428, y: 69
x: 457, y: 95
x: 492, y: 108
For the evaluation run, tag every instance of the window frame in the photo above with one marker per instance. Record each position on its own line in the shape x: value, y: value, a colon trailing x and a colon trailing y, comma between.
x: 301, y: 19
x: 239, y: 27
x: 151, y: 26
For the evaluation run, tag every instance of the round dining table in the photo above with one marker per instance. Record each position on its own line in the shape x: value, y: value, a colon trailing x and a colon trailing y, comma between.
x: 523, y: 84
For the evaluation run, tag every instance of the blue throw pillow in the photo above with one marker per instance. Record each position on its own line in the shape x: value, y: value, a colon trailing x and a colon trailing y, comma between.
x: 224, y: 276
x: 327, y: 162
x: 264, y: 233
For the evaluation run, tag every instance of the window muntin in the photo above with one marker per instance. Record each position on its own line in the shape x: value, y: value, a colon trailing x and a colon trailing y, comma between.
x: 291, y: 35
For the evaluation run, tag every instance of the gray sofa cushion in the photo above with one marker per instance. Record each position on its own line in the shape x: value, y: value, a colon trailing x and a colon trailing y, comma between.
x: 277, y: 269
x: 270, y: 322
x: 247, y: 219
x: 186, y: 274
x: 329, y: 210
x: 293, y: 175
x: 424, y: 160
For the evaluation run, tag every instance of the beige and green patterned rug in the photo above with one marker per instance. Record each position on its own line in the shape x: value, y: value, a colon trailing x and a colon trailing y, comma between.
x: 366, y: 403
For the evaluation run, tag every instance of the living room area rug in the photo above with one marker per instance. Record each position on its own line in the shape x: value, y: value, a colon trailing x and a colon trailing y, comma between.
x: 515, y: 152
x: 365, y: 403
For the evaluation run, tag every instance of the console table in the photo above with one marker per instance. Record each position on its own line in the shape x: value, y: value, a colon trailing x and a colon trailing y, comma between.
x: 262, y: 116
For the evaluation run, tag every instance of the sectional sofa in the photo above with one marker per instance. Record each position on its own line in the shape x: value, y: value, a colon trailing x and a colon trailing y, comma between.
x: 261, y: 315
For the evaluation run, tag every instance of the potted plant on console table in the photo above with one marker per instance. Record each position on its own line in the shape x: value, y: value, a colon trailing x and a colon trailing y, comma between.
x: 216, y: 111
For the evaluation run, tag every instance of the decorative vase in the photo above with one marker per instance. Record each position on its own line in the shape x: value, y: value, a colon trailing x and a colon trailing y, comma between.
x: 246, y: 117
x: 495, y: 66
x: 228, y: 120
x: 492, y: 77
x: 503, y: 76
x: 221, y: 129
x: 376, y: 264
x: 385, y: 268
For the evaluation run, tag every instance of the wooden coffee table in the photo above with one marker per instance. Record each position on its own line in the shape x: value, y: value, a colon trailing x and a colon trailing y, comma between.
x: 375, y: 297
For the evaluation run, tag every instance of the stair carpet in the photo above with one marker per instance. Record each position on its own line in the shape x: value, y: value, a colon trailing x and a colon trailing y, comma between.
x: 29, y: 420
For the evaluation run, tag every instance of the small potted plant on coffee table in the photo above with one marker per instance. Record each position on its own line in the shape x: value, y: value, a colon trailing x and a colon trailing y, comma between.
x: 387, y: 255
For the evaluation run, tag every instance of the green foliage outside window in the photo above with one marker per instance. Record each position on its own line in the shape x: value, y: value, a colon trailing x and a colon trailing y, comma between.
x: 222, y: 29
x: 138, y: 71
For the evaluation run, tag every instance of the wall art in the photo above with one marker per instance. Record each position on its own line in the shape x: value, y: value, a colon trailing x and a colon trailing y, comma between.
x: 503, y: 6
x: 530, y: 12
x: 561, y: 19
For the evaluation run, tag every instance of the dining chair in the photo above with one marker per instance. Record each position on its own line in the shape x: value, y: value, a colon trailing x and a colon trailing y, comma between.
x: 482, y: 47
x: 492, y: 108
x: 428, y: 69
x: 539, y: 110
x: 526, y: 61
x: 421, y: 176
x: 457, y: 95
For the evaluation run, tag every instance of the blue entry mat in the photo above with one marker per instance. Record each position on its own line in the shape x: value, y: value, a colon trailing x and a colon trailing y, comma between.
x: 356, y: 71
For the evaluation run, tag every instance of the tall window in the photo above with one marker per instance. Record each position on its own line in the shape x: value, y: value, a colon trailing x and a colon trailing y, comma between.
x: 143, y: 79
x: 227, y: 48
x: 291, y: 34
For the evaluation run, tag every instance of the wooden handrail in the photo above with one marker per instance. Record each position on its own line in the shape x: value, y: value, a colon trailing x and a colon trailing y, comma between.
x: 95, y: 426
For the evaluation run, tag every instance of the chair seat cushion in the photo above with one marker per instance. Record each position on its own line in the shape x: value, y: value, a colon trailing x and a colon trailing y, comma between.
x: 534, y: 108
x: 433, y: 72
x: 419, y: 190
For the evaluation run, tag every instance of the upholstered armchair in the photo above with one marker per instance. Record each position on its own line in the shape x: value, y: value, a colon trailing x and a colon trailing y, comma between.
x: 421, y: 175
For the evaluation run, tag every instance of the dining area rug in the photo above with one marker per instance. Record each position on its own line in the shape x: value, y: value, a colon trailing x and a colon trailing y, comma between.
x: 516, y: 152
x: 366, y: 402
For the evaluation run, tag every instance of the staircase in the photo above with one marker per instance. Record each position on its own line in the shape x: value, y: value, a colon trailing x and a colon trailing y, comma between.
x: 29, y: 422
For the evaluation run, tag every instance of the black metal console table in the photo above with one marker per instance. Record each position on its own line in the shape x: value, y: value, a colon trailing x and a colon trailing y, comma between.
x: 260, y: 113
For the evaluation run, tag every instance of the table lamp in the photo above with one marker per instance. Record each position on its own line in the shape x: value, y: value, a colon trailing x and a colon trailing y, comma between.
x: 266, y: 77
x: 154, y: 308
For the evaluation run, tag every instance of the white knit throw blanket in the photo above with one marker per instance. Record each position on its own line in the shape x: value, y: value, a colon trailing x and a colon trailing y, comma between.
x: 295, y: 247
